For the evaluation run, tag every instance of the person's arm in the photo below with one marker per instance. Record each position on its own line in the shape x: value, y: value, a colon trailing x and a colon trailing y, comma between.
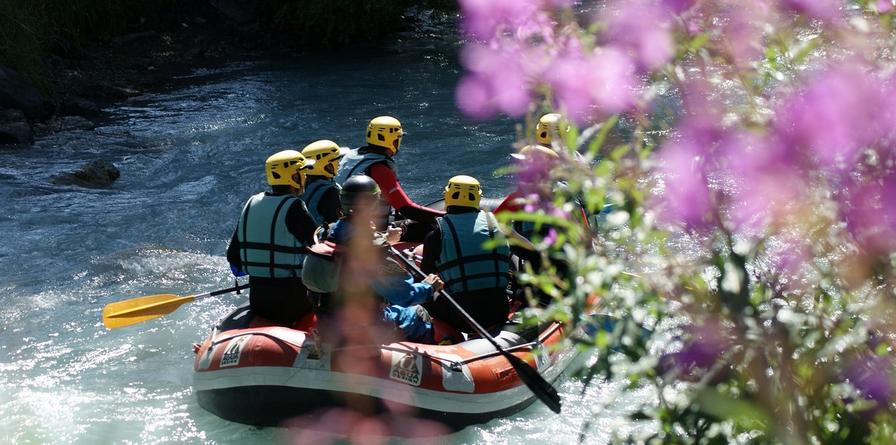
x: 329, y: 207
x: 402, y: 292
x: 432, y: 249
x: 300, y: 223
x: 397, y: 198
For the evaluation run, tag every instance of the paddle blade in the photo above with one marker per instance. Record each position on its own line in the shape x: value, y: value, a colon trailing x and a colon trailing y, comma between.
x: 539, y: 386
x: 138, y: 310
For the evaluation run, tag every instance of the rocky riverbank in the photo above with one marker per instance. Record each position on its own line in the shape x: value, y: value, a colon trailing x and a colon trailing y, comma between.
x: 82, y: 82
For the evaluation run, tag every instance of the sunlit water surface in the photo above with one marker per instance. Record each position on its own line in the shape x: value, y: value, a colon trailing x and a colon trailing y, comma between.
x: 189, y: 158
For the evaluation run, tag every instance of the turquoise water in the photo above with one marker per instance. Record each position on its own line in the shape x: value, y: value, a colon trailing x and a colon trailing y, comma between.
x: 189, y: 158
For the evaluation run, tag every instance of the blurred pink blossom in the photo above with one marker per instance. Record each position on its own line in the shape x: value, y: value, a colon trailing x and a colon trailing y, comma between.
x: 872, y: 376
x: 498, y: 81
x: 482, y: 19
x: 835, y: 115
x: 641, y: 28
x: 601, y: 82
x: 686, y: 198
x: 560, y: 3
x: 871, y: 215
x: 338, y: 425
x: 766, y: 180
x: 884, y: 6
x: 679, y: 6
x: 818, y: 9
x: 741, y: 30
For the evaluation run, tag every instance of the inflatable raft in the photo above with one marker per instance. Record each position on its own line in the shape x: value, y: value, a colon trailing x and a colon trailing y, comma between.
x: 253, y: 372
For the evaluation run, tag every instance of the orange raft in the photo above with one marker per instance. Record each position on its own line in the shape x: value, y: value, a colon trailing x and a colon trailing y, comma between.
x: 252, y: 372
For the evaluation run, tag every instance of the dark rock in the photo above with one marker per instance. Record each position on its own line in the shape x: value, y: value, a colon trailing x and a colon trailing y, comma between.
x: 80, y: 106
x: 16, y: 93
x: 241, y: 12
x: 63, y: 123
x: 96, y: 173
x: 14, y: 128
x: 135, y: 38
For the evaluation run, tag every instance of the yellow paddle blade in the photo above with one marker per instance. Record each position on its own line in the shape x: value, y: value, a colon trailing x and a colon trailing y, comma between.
x: 138, y: 310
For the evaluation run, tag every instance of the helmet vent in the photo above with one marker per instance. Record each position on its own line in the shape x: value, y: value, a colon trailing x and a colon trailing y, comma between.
x: 456, y: 195
x: 275, y: 175
x: 380, y: 137
x: 471, y: 196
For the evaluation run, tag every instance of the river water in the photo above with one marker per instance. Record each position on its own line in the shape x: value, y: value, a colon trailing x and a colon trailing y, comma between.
x: 189, y: 157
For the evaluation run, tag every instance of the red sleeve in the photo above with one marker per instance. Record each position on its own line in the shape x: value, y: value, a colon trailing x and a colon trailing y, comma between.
x: 394, y: 194
x: 512, y: 203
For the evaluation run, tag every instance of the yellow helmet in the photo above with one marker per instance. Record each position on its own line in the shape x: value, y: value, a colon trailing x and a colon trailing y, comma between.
x: 385, y: 132
x: 463, y: 191
x: 548, y: 126
x: 536, y: 152
x: 281, y: 168
x: 326, y: 156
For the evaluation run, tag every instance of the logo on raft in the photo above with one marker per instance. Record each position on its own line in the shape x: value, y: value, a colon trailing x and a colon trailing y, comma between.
x: 407, y: 368
x: 231, y: 356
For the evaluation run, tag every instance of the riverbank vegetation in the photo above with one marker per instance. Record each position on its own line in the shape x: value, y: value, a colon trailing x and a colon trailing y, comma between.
x: 749, y: 152
x: 33, y: 32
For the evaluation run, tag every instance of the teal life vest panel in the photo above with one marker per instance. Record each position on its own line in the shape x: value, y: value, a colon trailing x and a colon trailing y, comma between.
x: 464, y: 264
x: 356, y: 162
x: 267, y: 248
x: 314, y: 190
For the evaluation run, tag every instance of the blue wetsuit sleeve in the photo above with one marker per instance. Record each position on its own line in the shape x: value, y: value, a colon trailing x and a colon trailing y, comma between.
x: 402, y: 292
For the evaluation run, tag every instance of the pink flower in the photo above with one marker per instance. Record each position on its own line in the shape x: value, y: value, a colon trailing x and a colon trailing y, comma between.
x: 767, y: 180
x: 497, y: 82
x: 686, y: 198
x: 641, y: 27
x: 741, y: 30
x: 834, y: 116
x: 884, y: 6
x: 474, y: 97
x: 871, y: 215
x: 600, y: 82
x: 560, y: 3
x: 818, y: 9
x: 482, y: 19
x: 679, y: 6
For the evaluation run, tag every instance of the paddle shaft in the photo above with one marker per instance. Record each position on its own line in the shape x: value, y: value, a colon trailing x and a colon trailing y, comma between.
x: 539, y: 386
x: 223, y: 291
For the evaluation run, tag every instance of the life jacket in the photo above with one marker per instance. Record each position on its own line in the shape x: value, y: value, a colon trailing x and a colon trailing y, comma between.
x: 267, y: 248
x: 314, y: 190
x: 358, y: 162
x: 464, y: 264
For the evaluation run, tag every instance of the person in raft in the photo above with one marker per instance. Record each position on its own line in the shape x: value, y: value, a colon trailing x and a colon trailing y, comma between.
x: 270, y: 240
x: 384, y: 135
x: 475, y: 274
x: 321, y: 194
x: 401, y: 296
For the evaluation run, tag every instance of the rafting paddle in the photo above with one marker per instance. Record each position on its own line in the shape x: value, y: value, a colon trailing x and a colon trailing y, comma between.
x: 539, y: 386
x: 137, y: 310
